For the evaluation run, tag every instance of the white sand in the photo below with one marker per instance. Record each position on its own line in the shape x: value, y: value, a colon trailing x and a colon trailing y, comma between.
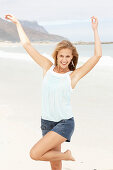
x: 20, y: 112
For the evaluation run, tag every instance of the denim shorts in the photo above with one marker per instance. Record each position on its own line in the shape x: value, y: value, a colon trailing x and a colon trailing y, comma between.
x: 64, y: 127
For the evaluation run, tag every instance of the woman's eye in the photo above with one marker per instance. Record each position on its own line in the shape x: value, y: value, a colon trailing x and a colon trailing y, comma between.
x: 66, y: 56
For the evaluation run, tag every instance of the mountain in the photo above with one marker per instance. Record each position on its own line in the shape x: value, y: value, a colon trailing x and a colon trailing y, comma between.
x: 33, y: 25
x: 34, y: 31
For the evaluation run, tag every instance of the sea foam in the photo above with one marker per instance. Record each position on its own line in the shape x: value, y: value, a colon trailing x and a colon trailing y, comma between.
x: 104, y: 60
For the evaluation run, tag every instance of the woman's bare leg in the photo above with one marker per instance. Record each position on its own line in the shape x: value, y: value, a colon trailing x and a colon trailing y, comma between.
x: 57, y: 155
x: 42, y: 150
x: 56, y: 164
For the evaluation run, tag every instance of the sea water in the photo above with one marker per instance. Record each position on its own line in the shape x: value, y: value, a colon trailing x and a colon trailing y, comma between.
x: 17, y: 52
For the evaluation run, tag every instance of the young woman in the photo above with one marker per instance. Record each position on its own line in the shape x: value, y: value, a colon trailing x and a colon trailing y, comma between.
x: 57, y: 120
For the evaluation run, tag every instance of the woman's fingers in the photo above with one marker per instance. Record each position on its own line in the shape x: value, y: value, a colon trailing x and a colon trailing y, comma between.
x: 8, y: 16
x: 11, y: 17
x: 94, y: 21
x: 94, y: 17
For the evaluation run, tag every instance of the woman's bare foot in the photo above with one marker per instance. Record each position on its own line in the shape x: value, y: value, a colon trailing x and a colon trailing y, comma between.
x: 69, y: 155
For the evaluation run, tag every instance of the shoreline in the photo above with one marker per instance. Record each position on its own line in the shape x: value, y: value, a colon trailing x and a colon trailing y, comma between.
x: 9, y: 43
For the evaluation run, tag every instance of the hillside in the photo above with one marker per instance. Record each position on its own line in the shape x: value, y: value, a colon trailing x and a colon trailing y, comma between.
x: 34, y: 31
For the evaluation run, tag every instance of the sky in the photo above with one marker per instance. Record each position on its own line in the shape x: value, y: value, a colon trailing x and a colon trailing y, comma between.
x: 68, y: 18
x: 51, y: 10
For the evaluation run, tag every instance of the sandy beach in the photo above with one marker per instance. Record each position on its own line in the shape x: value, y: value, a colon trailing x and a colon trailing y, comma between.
x: 20, y: 113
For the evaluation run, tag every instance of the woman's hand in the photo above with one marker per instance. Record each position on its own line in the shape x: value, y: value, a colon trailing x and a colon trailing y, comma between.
x: 94, y: 23
x: 11, y: 18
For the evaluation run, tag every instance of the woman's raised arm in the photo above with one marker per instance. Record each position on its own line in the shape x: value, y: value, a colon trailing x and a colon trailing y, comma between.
x: 44, y: 62
x: 89, y: 64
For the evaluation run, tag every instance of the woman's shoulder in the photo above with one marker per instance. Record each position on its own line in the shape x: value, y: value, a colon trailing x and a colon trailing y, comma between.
x: 49, y: 68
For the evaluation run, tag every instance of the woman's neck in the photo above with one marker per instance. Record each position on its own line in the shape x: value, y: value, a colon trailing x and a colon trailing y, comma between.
x: 61, y: 70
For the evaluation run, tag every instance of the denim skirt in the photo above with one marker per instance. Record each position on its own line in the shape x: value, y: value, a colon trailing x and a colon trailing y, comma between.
x: 64, y: 127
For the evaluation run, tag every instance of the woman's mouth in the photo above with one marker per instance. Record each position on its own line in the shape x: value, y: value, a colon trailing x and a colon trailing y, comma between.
x: 63, y: 63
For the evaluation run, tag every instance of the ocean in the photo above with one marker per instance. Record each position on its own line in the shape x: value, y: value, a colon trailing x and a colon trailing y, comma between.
x: 16, y: 51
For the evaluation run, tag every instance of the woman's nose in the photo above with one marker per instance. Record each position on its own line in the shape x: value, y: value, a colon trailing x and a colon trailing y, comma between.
x: 64, y: 60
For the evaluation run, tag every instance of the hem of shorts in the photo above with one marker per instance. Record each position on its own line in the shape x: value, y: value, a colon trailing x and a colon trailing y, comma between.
x: 61, y: 135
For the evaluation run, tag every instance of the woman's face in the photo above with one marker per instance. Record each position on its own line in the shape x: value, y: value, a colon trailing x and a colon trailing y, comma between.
x: 64, y: 57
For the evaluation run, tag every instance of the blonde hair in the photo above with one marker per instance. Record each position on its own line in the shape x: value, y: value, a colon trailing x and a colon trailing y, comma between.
x: 66, y: 44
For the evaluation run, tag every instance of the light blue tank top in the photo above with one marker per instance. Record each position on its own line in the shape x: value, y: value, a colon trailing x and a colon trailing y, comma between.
x: 56, y: 96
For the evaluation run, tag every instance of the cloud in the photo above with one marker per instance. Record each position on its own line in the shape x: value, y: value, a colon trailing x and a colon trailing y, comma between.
x: 43, y: 10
